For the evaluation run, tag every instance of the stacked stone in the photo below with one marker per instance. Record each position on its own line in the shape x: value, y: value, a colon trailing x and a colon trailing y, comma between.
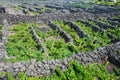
x: 54, y: 6
x: 13, y: 19
x: 113, y: 22
x: 37, y: 38
x: 66, y: 36
x: 45, y: 68
x: 80, y: 33
x: 114, y: 19
x: 113, y: 55
x: 2, y: 9
x: 103, y: 25
x: 3, y: 51
x: 94, y: 28
x: 103, y: 28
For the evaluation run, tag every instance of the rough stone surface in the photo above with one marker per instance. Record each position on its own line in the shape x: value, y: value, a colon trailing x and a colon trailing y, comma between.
x: 80, y: 33
x: 44, y: 68
x: 38, y: 39
x: 66, y: 36
x: 3, y: 51
x: 12, y: 19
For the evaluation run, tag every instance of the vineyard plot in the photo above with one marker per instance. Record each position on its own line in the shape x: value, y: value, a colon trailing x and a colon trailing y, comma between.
x: 114, y: 31
x: 22, y: 44
x: 56, y: 45
x: 44, y: 42
x: 70, y: 40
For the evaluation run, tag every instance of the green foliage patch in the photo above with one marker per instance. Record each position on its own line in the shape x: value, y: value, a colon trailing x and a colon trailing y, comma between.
x: 101, y: 37
x: 23, y: 45
x: 108, y: 2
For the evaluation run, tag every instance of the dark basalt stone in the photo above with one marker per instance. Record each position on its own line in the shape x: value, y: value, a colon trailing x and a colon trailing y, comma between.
x: 24, y: 11
x: 2, y: 9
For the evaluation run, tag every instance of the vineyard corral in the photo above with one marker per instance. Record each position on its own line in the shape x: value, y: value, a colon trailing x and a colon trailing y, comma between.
x: 66, y: 46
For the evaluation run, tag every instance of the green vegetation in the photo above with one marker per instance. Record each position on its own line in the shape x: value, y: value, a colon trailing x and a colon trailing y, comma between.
x: 23, y: 46
x: 83, y: 5
x: 82, y: 44
x: 119, y: 52
x: 17, y: 8
x: 101, y: 37
x: 0, y: 32
x: 115, y: 32
x: 57, y: 48
x: 76, y: 72
x: 108, y: 2
x: 0, y: 27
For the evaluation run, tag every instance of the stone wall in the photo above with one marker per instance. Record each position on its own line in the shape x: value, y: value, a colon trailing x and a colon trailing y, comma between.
x: 2, y: 9
x: 12, y: 19
x: 44, y: 68
x: 39, y: 41
x: 3, y: 51
x: 63, y: 34
x: 103, y: 25
x: 80, y: 33
x: 98, y: 29
x: 94, y: 28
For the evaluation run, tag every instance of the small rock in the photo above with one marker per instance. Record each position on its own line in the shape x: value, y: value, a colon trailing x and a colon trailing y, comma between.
x: 17, y: 65
x: 31, y: 67
x: 46, y: 67
x: 16, y: 70
x: 22, y: 68
x: 1, y: 69
x: 33, y: 61
x: 2, y: 65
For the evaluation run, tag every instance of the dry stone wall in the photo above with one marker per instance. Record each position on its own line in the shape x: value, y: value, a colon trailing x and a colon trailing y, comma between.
x: 46, y: 17
x: 44, y: 68
x: 77, y: 29
x: 37, y: 38
x: 66, y: 36
x: 3, y: 51
x: 103, y: 25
